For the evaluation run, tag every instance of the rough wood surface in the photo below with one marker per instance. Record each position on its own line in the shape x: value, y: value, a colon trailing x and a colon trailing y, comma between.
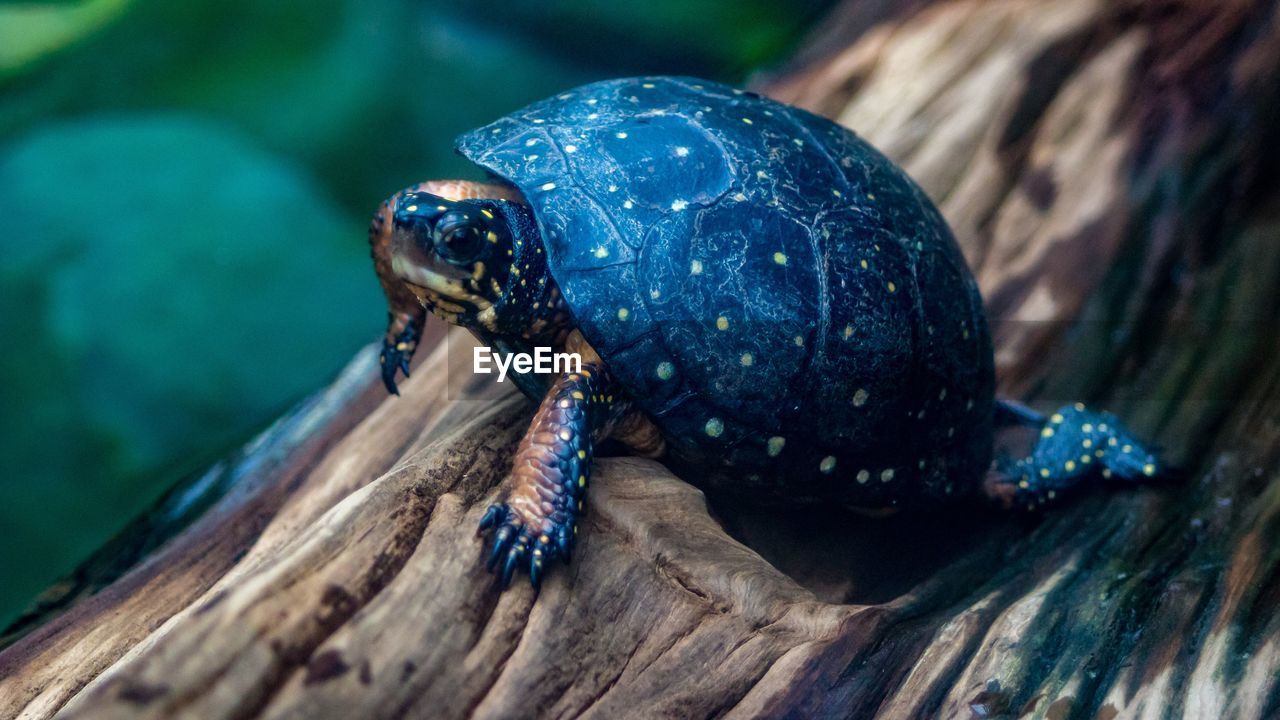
x: 1110, y: 169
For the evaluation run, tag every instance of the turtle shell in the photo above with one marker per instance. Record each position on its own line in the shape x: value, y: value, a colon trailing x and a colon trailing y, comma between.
x: 779, y: 297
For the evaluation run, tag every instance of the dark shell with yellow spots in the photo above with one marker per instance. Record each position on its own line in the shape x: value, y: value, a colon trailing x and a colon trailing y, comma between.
x: 778, y: 296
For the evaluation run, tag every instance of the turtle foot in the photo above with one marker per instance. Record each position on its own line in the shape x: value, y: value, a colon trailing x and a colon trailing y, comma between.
x: 396, y: 353
x: 516, y: 544
x: 1076, y: 445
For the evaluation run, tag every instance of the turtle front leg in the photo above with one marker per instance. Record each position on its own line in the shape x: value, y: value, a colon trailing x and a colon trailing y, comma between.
x: 538, y: 521
x: 406, y: 316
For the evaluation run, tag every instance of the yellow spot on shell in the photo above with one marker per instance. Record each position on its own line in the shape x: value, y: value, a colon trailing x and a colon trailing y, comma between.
x: 695, y: 267
x: 623, y: 313
x: 887, y: 475
x: 775, y: 445
x: 847, y: 332
x: 1044, y: 472
x: 714, y: 427
x: 860, y: 397
x: 747, y: 359
x: 1086, y: 443
x: 566, y: 435
x: 577, y: 395
x: 582, y: 481
x: 747, y: 121
x: 1047, y: 432
x: 1057, y: 418
x: 780, y: 258
x: 892, y: 287
x: 1087, y: 427
x: 863, y: 476
x: 601, y: 252
x: 582, y: 454
x: 1069, y: 465
x: 485, y: 212
x: 864, y: 264
x: 621, y: 136
x: 828, y: 464
x: 412, y: 208
x: 799, y: 340
x: 1148, y: 469
x: 665, y: 370
x: 549, y: 186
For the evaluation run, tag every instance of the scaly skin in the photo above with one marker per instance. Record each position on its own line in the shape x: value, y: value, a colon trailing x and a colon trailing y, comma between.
x: 1075, y: 445
x: 538, y: 522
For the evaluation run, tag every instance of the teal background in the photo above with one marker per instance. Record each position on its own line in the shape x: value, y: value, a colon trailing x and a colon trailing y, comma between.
x: 184, y: 189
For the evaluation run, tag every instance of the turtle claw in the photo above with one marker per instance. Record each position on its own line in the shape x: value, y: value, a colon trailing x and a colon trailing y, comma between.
x: 389, y: 376
x: 492, y: 517
x: 515, y: 546
x: 396, y: 354
x: 564, y: 543
x: 514, y: 556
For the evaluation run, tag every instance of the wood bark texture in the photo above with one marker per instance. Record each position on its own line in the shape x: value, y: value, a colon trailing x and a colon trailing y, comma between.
x: 1110, y: 169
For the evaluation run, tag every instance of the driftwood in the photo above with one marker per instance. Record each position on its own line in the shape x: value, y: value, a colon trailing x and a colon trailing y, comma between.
x: 1110, y: 169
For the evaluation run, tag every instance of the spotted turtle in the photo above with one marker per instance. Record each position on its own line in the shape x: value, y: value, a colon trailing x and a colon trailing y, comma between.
x: 758, y: 296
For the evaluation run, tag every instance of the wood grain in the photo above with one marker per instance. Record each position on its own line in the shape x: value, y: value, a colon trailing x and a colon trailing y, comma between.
x: 1110, y: 169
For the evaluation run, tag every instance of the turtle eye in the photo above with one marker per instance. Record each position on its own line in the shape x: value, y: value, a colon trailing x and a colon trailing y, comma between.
x: 458, y: 238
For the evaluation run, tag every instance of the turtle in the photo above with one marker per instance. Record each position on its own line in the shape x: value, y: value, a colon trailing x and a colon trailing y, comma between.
x: 757, y: 296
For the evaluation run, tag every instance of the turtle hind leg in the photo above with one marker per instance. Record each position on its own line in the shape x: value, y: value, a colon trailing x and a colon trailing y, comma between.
x: 1075, y: 446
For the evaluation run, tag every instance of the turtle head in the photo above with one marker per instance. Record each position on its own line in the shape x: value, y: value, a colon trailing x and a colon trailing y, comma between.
x: 457, y: 255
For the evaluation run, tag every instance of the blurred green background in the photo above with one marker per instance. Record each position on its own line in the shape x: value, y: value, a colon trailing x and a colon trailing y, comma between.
x: 184, y: 189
